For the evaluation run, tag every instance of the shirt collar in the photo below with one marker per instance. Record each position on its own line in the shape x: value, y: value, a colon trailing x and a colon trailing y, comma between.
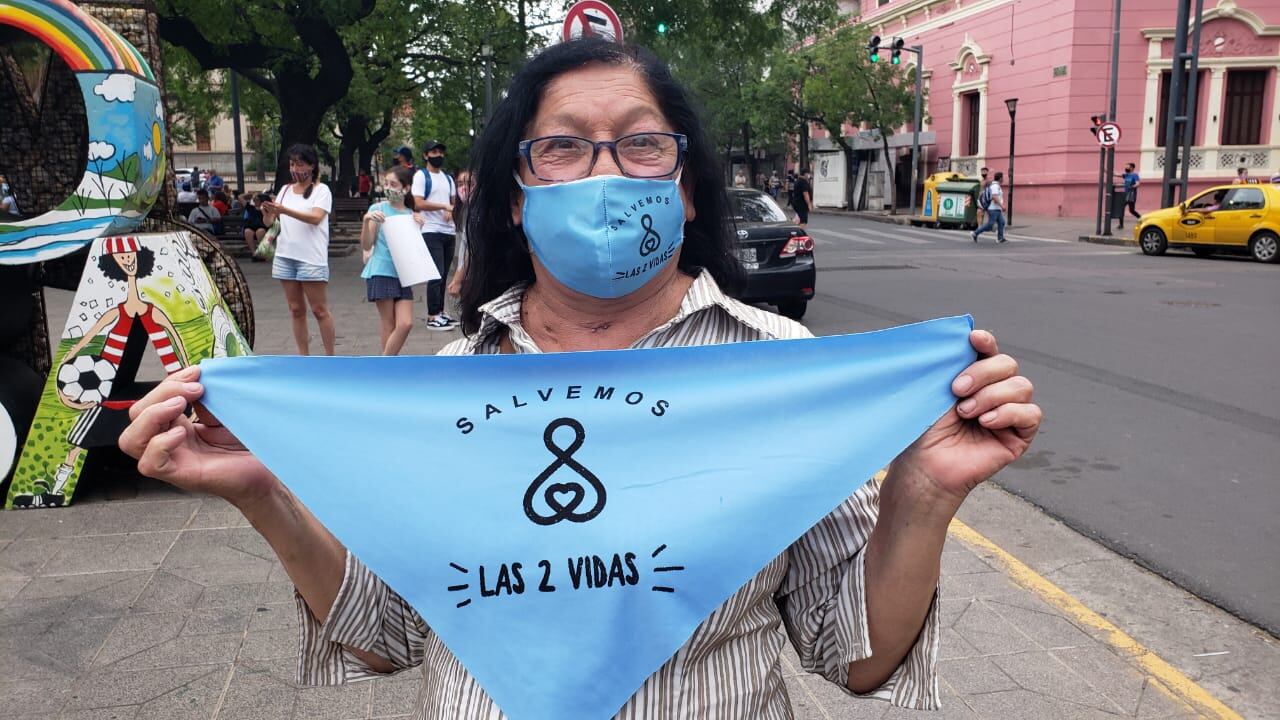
x: 504, y: 311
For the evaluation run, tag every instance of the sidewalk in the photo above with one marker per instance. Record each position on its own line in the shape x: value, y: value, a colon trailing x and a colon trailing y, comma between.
x: 1031, y: 226
x: 142, y: 602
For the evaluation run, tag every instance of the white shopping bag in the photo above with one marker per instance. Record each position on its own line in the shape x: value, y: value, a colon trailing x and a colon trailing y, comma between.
x: 408, y: 251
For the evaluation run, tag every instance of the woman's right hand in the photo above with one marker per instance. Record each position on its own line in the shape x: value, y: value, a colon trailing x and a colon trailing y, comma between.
x: 201, y: 456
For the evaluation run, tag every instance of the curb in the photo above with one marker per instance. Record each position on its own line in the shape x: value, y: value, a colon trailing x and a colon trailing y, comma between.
x: 1108, y: 240
x: 872, y: 216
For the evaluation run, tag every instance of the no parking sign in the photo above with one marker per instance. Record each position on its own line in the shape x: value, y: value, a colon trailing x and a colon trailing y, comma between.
x: 591, y: 18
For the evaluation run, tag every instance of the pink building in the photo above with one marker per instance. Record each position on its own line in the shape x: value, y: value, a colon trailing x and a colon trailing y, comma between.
x: 1054, y: 56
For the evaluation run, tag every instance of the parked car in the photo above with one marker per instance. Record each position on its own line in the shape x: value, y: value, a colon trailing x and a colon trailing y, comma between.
x: 775, y: 252
x: 1227, y: 219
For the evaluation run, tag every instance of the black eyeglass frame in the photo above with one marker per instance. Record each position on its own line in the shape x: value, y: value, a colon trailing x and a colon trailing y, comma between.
x: 682, y: 147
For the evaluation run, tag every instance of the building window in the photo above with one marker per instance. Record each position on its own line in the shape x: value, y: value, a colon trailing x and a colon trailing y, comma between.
x: 1162, y: 112
x: 1242, y: 107
x: 973, y: 119
x: 203, y: 143
x: 882, y: 3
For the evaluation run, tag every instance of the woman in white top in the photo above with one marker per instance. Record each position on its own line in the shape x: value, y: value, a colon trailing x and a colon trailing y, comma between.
x: 302, y: 247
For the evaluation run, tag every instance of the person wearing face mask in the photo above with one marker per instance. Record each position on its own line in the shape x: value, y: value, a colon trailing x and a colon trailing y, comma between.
x: 598, y: 222
x: 8, y: 203
x: 382, y: 283
x: 301, y: 261
x: 434, y: 195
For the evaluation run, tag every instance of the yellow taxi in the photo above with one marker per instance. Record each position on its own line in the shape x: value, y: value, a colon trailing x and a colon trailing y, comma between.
x: 1229, y: 218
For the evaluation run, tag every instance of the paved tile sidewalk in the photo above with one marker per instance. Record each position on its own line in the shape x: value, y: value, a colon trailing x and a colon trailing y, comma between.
x: 142, y: 602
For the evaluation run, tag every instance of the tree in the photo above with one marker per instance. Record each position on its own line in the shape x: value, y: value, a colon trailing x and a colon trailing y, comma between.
x: 722, y: 51
x: 293, y: 50
x: 845, y: 87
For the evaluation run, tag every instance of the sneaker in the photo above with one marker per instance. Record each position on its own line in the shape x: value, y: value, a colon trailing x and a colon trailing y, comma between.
x: 974, y: 235
x: 1001, y: 240
x: 448, y: 318
x: 439, y: 323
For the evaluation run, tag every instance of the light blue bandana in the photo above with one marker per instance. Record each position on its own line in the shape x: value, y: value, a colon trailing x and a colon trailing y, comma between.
x: 565, y: 522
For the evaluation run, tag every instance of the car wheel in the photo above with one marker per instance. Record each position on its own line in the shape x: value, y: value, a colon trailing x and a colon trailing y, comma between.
x: 1202, y: 251
x: 793, y: 309
x: 1265, y: 247
x: 1152, y: 241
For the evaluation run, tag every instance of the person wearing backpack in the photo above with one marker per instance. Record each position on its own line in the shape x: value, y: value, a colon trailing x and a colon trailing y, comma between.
x: 434, y: 195
x: 992, y: 203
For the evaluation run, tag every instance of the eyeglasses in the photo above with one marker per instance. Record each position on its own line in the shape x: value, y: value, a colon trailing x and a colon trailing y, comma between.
x: 560, y: 158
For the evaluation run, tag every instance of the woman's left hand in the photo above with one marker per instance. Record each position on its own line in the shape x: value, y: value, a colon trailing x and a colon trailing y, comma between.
x: 990, y: 426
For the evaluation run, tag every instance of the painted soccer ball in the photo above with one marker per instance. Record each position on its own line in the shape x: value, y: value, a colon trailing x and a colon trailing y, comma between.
x: 86, y: 379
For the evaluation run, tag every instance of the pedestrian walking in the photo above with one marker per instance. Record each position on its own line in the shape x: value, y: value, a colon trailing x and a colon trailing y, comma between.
x: 992, y: 202
x: 302, y: 249
x: 1131, y: 183
x: 434, y: 195
x: 382, y: 283
x: 802, y: 197
x: 858, y: 594
x: 983, y: 173
x: 775, y: 184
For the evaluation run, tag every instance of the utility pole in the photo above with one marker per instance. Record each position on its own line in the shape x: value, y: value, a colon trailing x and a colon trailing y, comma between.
x: 235, y: 125
x: 1111, y: 151
x: 915, y: 126
x: 1188, y: 130
x: 1176, y: 111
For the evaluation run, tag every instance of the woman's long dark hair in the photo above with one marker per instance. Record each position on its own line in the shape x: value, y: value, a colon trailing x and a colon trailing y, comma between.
x: 497, y: 252
x: 307, y: 154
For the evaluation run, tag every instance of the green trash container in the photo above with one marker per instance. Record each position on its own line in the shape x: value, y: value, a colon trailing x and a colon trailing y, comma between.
x: 1117, y: 202
x: 958, y: 203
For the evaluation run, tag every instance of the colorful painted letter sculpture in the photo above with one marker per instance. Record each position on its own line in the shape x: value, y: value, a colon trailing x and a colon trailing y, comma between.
x: 564, y: 522
x: 136, y: 290
x: 126, y: 159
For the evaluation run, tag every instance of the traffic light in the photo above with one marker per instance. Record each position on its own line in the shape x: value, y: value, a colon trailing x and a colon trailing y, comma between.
x: 874, y: 48
x: 1097, y: 121
x: 662, y: 28
x: 898, y: 44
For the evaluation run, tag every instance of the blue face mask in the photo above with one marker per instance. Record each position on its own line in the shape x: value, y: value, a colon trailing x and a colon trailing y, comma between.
x: 604, y: 236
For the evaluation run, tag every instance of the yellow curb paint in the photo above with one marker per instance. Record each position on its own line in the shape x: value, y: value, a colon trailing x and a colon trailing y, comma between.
x: 1175, y: 683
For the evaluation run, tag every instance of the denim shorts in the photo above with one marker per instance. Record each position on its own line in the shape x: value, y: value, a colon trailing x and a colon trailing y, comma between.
x: 289, y: 269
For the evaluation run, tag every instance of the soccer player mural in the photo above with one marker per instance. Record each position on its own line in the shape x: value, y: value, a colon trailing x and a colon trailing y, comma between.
x: 135, y: 291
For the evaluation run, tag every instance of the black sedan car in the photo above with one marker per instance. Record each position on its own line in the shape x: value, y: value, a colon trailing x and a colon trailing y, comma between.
x: 775, y: 252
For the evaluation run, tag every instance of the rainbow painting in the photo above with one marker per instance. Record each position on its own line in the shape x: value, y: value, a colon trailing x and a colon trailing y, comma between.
x: 127, y: 154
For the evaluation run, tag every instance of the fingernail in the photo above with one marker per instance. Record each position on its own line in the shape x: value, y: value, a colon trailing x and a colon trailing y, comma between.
x: 964, y: 382
x: 191, y: 387
x: 988, y: 416
x: 967, y: 406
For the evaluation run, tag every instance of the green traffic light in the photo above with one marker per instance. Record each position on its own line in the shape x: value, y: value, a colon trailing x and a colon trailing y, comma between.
x: 875, y: 57
x: 662, y: 28
x: 895, y: 59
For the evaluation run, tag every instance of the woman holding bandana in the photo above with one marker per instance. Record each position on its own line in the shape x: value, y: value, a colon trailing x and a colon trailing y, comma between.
x: 595, y: 143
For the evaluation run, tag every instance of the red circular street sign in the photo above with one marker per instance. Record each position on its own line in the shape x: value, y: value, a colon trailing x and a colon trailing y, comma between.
x: 1108, y: 134
x: 591, y: 18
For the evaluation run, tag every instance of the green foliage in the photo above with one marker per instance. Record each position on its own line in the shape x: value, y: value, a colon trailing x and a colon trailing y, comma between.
x: 845, y: 86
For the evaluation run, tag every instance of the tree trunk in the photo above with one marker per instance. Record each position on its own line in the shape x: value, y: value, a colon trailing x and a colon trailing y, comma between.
x: 302, y: 111
x: 368, y: 145
x: 354, y: 129
x: 746, y: 151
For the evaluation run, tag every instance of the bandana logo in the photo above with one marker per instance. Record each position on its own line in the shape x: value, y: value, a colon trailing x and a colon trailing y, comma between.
x: 554, y: 494
x: 651, y: 241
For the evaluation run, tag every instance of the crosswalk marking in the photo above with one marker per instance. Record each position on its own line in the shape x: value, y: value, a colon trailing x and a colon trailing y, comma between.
x: 847, y: 236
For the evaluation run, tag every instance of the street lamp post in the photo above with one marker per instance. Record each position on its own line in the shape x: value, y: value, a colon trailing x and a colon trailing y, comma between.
x: 1012, y: 105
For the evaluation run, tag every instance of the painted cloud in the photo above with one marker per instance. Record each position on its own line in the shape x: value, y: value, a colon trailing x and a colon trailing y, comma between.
x: 119, y: 87
x: 101, y: 150
x: 159, y: 110
x: 147, y: 152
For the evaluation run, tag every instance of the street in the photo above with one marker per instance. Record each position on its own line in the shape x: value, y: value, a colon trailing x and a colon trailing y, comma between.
x: 1156, y: 375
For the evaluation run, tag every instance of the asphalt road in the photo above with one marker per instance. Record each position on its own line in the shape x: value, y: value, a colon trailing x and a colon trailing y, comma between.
x: 1159, y: 377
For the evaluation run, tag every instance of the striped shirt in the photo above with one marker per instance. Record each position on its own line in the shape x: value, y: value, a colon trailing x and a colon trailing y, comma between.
x: 118, y: 339
x: 730, y: 667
